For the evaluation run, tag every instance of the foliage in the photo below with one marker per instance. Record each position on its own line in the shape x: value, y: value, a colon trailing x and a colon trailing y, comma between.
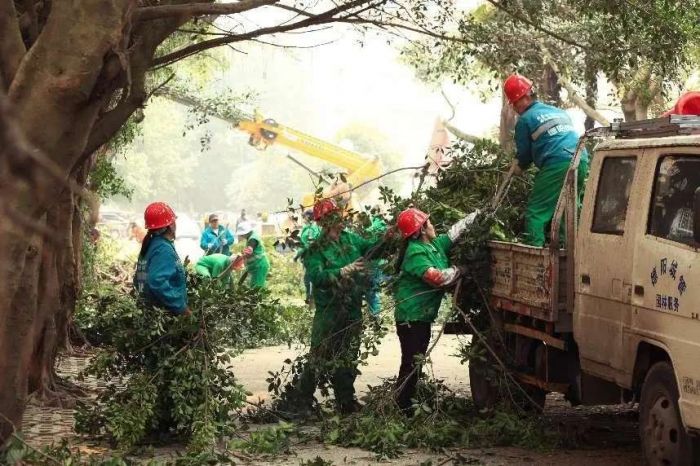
x: 628, y: 43
x: 272, y: 440
x: 168, y: 375
x: 440, y: 420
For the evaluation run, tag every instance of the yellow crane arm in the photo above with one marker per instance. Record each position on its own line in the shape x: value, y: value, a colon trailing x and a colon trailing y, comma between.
x: 267, y: 132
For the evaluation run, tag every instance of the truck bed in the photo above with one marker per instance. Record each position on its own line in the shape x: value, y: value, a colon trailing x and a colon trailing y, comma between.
x: 523, y: 278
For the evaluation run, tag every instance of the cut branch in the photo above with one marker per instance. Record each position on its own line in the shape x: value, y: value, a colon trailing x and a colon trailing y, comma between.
x: 12, y: 47
x: 461, y: 134
x: 191, y: 10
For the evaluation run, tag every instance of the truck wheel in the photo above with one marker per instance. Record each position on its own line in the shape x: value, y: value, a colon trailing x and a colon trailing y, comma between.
x: 664, y: 440
x: 484, y: 392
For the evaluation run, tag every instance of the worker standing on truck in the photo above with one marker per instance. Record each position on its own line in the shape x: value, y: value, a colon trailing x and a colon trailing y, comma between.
x: 257, y: 264
x: 216, y: 239
x: 545, y: 136
x: 160, y: 276
x: 309, y: 233
x: 335, y: 265
x: 424, y: 272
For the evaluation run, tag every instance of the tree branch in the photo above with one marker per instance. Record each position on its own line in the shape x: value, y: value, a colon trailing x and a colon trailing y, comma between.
x: 191, y: 10
x: 321, y: 18
x: 572, y: 94
x: 12, y: 47
x: 461, y: 134
x: 544, y: 30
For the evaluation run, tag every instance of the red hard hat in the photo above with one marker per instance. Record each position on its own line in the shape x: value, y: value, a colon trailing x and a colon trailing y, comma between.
x: 158, y: 215
x: 324, y: 207
x: 410, y: 221
x: 516, y: 87
x: 688, y: 104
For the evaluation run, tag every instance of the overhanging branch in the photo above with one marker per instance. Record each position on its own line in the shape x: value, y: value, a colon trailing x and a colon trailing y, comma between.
x: 190, y: 10
x: 542, y: 29
x: 314, y: 20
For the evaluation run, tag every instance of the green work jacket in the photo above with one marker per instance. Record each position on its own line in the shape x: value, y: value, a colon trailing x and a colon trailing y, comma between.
x: 259, y: 258
x: 337, y: 300
x: 212, y: 265
x: 415, y: 299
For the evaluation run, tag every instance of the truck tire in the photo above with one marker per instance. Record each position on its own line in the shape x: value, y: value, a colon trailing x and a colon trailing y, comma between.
x: 664, y: 440
x: 484, y: 392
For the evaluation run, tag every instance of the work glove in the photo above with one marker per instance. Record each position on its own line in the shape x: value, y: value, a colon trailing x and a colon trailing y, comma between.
x: 238, y: 262
x: 460, y: 227
x: 354, y: 267
x: 224, y: 242
x: 247, y: 251
x: 211, y: 245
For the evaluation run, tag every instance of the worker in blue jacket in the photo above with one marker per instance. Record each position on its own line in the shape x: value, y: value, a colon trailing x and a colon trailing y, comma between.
x: 216, y: 239
x: 160, y: 276
x: 544, y: 136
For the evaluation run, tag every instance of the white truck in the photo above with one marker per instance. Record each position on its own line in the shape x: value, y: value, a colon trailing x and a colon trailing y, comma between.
x: 614, y: 313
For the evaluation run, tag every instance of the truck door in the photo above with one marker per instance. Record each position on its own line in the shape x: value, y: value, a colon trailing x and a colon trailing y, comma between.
x: 667, y: 272
x: 604, y: 251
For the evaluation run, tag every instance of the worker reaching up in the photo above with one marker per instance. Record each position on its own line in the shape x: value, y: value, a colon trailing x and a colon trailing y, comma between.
x: 216, y: 239
x: 545, y: 137
x: 336, y: 268
x: 256, y: 262
x: 160, y: 276
x: 424, y: 272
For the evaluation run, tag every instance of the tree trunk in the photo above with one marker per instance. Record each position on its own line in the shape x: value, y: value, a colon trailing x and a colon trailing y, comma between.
x: 507, y: 126
x: 591, y: 78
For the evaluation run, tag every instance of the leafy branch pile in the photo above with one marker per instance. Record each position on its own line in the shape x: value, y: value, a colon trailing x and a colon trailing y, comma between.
x: 441, y: 420
x: 170, y: 377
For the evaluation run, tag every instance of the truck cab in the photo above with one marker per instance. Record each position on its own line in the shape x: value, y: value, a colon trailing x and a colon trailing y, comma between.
x: 614, y: 314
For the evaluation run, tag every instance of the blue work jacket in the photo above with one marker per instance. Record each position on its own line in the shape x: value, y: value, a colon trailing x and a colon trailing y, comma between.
x: 545, y: 134
x: 217, y: 242
x: 160, y: 276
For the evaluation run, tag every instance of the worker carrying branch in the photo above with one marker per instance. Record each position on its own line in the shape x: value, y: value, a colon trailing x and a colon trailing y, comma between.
x: 545, y: 136
x: 257, y: 264
x: 335, y: 262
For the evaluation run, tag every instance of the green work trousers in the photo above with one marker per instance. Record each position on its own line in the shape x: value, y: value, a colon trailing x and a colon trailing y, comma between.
x: 335, y: 358
x: 257, y: 275
x: 543, y: 200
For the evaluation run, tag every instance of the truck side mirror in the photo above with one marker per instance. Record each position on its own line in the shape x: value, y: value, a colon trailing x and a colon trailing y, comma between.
x: 696, y: 215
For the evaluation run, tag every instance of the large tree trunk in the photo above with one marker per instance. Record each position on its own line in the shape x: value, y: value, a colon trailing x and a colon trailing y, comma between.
x: 56, y: 100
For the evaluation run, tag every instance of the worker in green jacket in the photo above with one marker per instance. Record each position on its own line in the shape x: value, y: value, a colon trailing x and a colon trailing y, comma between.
x: 335, y: 265
x: 309, y: 233
x: 256, y: 262
x: 218, y: 267
x: 545, y: 137
x: 424, y: 274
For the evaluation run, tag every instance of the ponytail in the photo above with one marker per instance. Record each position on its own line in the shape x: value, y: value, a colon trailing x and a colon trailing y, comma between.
x: 145, y: 243
x: 149, y: 236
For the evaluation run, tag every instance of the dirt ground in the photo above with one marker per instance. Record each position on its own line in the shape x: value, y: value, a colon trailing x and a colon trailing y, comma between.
x: 602, y: 435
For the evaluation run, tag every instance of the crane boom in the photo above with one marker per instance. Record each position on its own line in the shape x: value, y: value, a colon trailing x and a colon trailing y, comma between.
x: 265, y: 132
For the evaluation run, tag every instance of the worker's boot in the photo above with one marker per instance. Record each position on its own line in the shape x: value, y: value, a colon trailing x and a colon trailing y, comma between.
x: 349, y: 407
